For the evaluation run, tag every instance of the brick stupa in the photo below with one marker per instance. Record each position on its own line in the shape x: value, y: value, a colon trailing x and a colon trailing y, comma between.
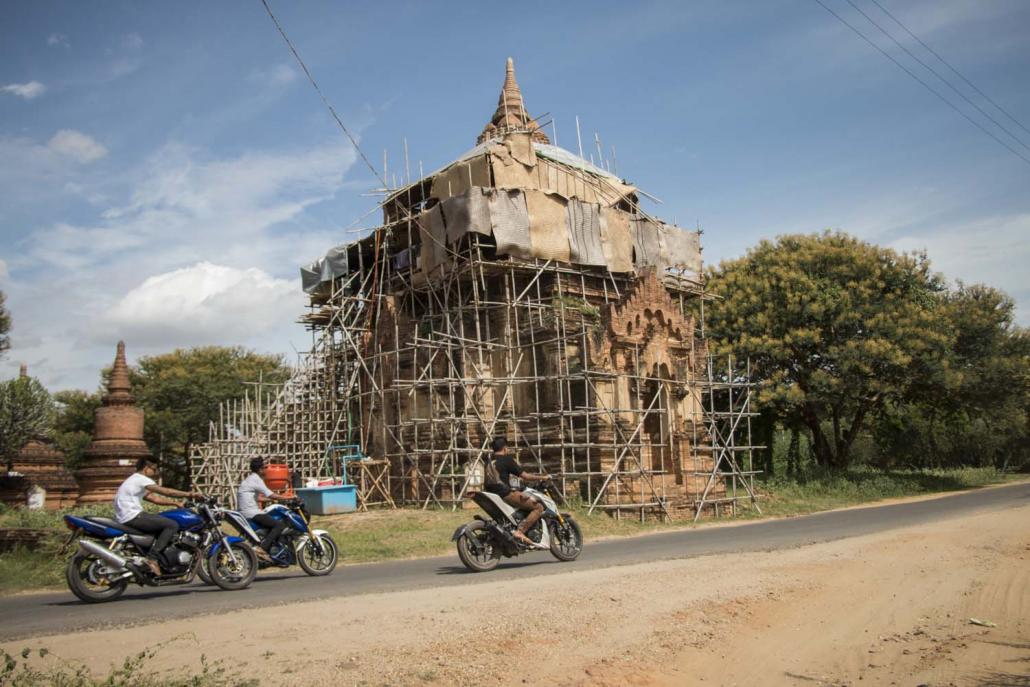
x: 117, y: 439
x: 38, y: 463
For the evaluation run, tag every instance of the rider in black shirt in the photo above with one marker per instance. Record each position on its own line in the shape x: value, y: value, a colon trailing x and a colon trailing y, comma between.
x: 504, y: 477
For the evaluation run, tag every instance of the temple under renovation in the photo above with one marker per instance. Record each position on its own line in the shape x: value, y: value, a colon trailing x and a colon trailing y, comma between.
x: 519, y: 291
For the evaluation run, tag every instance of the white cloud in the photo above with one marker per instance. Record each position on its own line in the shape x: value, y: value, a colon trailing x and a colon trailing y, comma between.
x: 279, y: 75
x: 58, y: 39
x: 76, y: 145
x: 197, y: 251
x: 30, y: 90
x: 132, y: 41
x: 206, y: 303
x: 3, y: 269
x: 990, y: 250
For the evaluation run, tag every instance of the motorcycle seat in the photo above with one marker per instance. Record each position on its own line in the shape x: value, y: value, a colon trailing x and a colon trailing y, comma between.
x: 143, y: 541
x: 114, y: 524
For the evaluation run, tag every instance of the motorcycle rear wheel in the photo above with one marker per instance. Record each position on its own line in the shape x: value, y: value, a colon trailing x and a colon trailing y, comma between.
x: 229, y: 576
x: 77, y: 574
x: 477, y: 536
x: 567, y: 540
x: 203, y: 572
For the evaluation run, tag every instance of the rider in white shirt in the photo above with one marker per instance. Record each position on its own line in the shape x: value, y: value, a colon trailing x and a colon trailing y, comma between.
x: 252, y: 492
x: 128, y: 507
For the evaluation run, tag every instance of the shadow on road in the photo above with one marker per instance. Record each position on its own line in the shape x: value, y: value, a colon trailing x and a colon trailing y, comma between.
x: 462, y: 570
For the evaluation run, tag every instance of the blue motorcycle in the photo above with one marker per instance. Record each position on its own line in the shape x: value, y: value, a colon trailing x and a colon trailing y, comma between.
x: 313, y: 550
x: 110, y: 555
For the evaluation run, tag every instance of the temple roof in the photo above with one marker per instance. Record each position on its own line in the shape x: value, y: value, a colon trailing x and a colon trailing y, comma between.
x: 511, y: 112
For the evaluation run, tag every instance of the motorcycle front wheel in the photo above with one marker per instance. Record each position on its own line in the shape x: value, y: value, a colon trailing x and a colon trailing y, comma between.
x: 316, y: 564
x: 476, y: 550
x: 85, y: 580
x: 231, y: 575
x: 566, y: 540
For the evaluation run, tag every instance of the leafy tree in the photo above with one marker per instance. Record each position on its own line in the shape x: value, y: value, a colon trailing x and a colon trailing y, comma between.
x: 5, y: 325
x: 181, y: 392
x: 977, y: 413
x: 73, y: 423
x: 835, y: 328
x: 26, y: 410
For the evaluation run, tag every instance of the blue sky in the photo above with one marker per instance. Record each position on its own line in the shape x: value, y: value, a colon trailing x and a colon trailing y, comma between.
x: 165, y: 168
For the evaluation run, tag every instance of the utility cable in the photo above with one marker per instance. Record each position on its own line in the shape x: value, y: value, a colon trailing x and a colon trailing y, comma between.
x: 325, y: 100
x: 948, y: 65
x: 925, y: 85
x: 935, y: 73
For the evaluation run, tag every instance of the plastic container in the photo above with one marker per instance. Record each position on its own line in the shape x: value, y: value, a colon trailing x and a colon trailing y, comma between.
x: 341, y: 498
x: 277, y: 477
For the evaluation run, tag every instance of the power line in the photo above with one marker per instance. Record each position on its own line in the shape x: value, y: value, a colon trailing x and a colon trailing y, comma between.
x: 935, y: 73
x: 332, y: 110
x: 948, y: 65
x: 925, y: 85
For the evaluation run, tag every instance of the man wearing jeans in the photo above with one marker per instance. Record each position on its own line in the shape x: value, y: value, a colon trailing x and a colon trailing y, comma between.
x: 252, y: 489
x: 128, y: 507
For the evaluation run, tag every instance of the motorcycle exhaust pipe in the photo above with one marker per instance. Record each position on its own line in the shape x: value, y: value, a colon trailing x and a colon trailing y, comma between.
x: 105, y: 554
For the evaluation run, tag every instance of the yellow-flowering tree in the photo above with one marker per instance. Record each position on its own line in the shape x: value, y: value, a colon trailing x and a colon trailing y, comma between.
x: 835, y: 328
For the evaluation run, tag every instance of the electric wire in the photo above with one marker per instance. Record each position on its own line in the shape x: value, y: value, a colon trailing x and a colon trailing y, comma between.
x: 925, y: 85
x: 318, y: 90
x: 948, y: 65
x: 935, y: 73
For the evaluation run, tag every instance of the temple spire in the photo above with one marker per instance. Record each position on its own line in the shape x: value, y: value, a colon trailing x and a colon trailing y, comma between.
x: 511, y: 112
x: 119, y: 386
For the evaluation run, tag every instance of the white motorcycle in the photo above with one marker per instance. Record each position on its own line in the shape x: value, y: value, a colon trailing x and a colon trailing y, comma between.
x: 482, y: 542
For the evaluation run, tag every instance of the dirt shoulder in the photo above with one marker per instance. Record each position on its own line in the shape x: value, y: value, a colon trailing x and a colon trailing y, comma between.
x: 890, y: 607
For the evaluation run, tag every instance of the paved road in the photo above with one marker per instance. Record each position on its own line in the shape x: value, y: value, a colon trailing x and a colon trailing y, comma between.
x: 49, y: 613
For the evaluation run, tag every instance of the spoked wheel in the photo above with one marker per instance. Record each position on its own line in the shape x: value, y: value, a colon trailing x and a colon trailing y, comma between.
x: 233, y: 574
x: 476, y: 550
x: 89, y: 579
x: 566, y: 540
x: 315, y: 562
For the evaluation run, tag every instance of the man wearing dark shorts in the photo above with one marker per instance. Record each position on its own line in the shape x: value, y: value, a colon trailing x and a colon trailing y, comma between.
x: 128, y: 507
x: 504, y: 477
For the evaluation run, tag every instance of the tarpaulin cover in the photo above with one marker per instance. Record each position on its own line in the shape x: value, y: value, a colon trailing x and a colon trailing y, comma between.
x: 682, y: 248
x: 325, y: 269
x: 460, y: 177
x: 648, y: 243
x: 433, y: 236
x: 584, y: 221
x: 509, y: 219
x: 509, y: 173
x: 617, y: 240
x: 465, y: 213
x: 548, y: 226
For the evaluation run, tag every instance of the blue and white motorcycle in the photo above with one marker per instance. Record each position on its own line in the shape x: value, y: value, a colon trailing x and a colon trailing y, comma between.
x: 313, y: 550
x: 111, y: 555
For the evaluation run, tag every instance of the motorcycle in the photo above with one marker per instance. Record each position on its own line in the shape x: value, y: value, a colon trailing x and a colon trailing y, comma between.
x: 313, y: 550
x: 482, y: 542
x: 110, y: 554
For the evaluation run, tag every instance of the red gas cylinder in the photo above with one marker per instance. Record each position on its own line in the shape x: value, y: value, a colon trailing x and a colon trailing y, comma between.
x: 277, y: 477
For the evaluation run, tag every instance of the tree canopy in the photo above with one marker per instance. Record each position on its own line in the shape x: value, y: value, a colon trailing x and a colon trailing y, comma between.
x: 26, y: 411
x: 5, y: 325
x: 73, y: 423
x: 181, y: 391
x: 836, y: 328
